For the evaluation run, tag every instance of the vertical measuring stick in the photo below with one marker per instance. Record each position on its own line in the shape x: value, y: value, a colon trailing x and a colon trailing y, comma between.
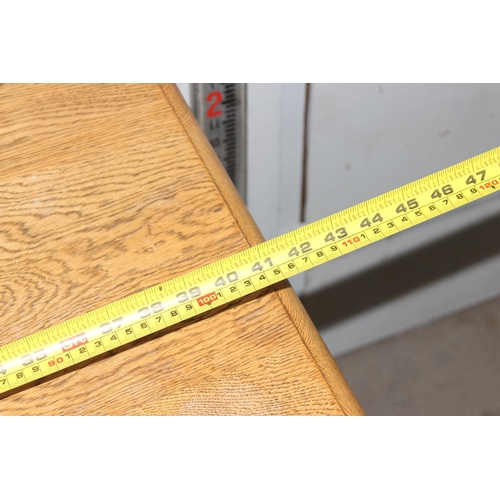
x: 220, y: 108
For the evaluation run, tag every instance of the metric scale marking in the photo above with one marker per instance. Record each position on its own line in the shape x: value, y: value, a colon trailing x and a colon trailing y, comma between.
x: 220, y: 109
x: 86, y: 336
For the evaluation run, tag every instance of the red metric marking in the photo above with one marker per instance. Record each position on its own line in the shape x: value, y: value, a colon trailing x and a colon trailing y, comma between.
x: 493, y: 183
x: 74, y: 342
x: 207, y: 299
x: 217, y: 98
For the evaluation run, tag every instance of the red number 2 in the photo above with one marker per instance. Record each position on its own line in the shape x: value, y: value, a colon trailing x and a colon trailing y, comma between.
x: 212, y: 113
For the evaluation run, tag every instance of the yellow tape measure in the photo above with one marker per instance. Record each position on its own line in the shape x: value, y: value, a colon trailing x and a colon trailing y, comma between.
x: 43, y: 353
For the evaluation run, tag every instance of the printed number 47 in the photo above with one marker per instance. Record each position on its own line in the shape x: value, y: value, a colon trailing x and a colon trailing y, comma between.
x: 472, y: 180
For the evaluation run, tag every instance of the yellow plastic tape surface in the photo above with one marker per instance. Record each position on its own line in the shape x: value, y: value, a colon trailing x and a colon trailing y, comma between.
x: 38, y: 355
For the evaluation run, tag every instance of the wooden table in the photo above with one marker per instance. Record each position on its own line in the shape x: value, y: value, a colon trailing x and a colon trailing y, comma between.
x: 110, y: 189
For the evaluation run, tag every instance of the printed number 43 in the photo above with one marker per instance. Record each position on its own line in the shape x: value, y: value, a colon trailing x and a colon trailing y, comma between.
x: 341, y: 233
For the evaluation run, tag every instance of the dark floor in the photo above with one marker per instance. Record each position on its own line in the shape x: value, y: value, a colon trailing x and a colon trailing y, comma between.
x: 449, y: 367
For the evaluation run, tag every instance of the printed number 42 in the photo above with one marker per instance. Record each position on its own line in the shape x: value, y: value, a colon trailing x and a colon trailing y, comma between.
x: 304, y: 247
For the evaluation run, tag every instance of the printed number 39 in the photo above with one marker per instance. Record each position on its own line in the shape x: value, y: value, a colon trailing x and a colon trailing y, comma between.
x: 193, y: 293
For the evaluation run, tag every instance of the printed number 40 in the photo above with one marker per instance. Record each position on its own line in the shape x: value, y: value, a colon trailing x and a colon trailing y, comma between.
x: 231, y: 277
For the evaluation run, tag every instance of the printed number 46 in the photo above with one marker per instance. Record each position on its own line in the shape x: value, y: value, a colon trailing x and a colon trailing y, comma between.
x: 445, y: 189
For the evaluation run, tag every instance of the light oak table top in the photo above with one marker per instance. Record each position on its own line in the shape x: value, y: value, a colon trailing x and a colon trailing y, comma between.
x: 107, y: 190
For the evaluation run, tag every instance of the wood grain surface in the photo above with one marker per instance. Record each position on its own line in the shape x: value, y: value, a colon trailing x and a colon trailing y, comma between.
x: 107, y: 190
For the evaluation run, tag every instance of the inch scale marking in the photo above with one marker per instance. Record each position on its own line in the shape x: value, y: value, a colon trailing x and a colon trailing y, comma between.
x: 48, y: 351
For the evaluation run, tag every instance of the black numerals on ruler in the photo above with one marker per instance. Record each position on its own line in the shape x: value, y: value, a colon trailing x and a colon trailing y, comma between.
x: 472, y: 180
x: 376, y: 218
x: 445, y: 190
x: 230, y: 277
x: 30, y: 358
x: 304, y: 248
x: 110, y: 326
x: 411, y: 204
x: 156, y: 308
x: 257, y: 267
x: 192, y: 293
x: 340, y: 233
x: 233, y: 276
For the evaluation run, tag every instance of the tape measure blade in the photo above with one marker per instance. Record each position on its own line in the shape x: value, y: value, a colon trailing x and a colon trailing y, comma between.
x: 228, y: 279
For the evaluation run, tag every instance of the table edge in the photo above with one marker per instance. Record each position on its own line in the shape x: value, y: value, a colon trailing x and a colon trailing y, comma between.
x: 249, y: 229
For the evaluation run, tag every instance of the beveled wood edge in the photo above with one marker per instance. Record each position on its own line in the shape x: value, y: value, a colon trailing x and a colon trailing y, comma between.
x: 291, y: 303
